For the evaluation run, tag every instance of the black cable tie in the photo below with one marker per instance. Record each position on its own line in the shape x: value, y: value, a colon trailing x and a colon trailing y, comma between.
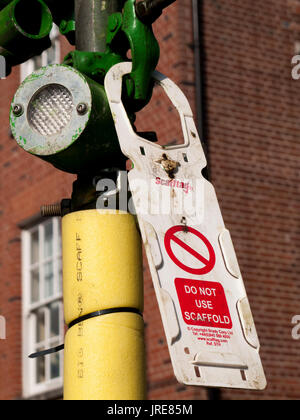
x: 103, y: 312
x: 46, y: 352
x: 79, y: 321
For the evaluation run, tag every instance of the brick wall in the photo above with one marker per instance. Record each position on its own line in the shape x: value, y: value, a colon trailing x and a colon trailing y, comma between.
x: 253, y: 133
x: 251, y: 126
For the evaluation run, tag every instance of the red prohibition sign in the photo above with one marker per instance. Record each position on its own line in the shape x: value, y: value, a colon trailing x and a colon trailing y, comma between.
x: 208, y: 263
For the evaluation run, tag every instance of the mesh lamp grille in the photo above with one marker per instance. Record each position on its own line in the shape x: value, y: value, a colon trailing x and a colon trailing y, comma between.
x: 50, y: 109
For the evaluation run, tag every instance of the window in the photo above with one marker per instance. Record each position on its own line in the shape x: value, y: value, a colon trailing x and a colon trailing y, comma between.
x: 43, y: 325
x: 50, y: 56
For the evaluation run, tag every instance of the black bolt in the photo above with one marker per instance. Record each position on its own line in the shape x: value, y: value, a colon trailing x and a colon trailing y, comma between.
x: 141, y: 9
x: 18, y: 110
x: 82, y: 109
x: 150, y: 10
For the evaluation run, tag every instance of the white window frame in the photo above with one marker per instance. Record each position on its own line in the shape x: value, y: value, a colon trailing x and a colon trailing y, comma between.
x: 30, y: 387
x: 29, y: 66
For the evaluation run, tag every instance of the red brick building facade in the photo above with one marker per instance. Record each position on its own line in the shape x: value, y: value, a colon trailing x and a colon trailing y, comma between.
x: 249, y: 118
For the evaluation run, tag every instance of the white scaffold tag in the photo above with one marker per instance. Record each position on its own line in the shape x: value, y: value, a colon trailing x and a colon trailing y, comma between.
x: 206, y: 315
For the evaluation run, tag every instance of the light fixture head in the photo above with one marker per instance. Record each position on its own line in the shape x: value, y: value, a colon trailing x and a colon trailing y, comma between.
x: 63, y: 117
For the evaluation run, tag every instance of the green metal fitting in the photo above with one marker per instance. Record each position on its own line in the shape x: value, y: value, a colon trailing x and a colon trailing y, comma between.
x: 63, y: 13
x: 67, y: 26
x: 76, y: 132
x: 24, y: 29
x: 124, y: 32
x: 145, y: 55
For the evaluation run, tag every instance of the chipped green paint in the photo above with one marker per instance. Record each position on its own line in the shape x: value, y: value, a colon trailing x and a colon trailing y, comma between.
x: 77, y: 134
x: 12, y: 120
x: 34, y: 76
x: 13, y: 124
x: 22, y: 140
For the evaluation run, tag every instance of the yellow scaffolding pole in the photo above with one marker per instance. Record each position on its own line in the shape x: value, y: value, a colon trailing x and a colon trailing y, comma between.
x: 102, y: 270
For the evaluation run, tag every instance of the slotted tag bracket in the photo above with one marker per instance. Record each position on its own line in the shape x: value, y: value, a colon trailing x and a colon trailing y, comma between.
x: 200, y: 291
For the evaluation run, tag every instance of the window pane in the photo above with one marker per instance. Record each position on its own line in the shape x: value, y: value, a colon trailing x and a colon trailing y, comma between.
x: 59, y: 245
x: 51, y: 54
x: 60, y: 281
x: 40, y: 368
x: 44, y: 317
x: 37, y: 62
x: 48, y: 276
x: 55, y: 365
x: 34, y: 247
x: 35, y: 286
x: 54, y: 320
x: 40, y: 326
x: 48, y: 240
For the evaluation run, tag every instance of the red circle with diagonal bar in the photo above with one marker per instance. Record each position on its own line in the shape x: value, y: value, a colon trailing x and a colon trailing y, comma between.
x: 208, y: 263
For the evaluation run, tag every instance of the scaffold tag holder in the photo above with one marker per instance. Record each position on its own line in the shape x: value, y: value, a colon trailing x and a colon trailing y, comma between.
x: 206, y: 314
